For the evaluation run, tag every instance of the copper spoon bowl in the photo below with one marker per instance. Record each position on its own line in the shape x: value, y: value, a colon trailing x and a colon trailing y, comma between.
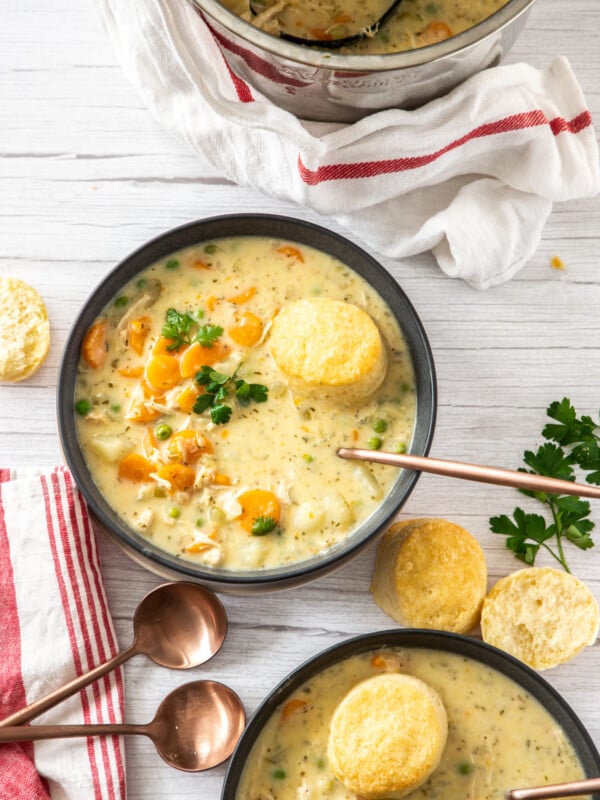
x: 177, y: 625
x: 569, y: 789
x: 196, y: 727
x: 473, y: 472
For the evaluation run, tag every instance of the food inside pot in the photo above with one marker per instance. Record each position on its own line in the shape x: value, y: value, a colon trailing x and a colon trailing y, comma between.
x: 215, y: 388
x: 412, y: 24
x: 499, y: 735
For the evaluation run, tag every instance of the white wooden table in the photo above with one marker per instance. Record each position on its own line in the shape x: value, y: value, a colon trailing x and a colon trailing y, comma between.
x: 86, y: 175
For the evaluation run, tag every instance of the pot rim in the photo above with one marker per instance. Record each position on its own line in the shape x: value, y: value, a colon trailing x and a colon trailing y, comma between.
x: 311, y: 57
x: 243, y: 225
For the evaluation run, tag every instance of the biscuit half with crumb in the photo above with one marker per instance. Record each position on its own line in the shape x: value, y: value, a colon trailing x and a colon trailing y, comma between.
x: 329, y: 348
x: 24, y: 330
x: 541, y: 615
x: 387, y: 736
x: 430, y: 573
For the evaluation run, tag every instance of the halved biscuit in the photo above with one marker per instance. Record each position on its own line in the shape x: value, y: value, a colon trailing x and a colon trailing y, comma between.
x: 430, y: 573
x: 24, y: 330
x: 329, y: 348
x: 541, y: 615
x: 387, y: 735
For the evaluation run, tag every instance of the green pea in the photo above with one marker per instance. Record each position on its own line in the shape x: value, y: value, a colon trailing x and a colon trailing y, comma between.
x: 465, y: 768
x: 280, y: 774
x: 380, y: 426
x: 199, y: 522
x: 400, y: 447
x: 174, y: 512
x: 140, y: 283
x: 163, y: 431
x: 83, y: 407
x: 115, y: 407
x: 172, y: 263
x: 121, y: 301
x: 308, y: 458
x: 210, y: 248
x: 374, y: 443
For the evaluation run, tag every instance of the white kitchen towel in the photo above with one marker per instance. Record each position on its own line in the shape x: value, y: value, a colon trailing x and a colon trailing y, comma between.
x: 471, y: 176
x: 56, y: 624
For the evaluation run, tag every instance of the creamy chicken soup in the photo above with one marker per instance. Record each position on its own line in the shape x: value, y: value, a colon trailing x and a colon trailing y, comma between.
x: 499, y: 736
x: 192, y: 433
x: 413, y: 24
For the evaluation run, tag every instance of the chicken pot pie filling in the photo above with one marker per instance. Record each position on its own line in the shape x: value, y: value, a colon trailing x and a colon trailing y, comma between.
x: 192, y: 432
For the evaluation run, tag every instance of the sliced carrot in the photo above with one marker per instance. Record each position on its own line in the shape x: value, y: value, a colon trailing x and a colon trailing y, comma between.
x: 188, y: 446
x: 257, y: 503
x: 187, y: 398
x: 180, y: 476
x: 163, y: 373
x: 137, y: 333
x: 129, y: 371
x: 162, y: 345
x: 293, y: 707
x: 221, y: 480
x: 136, y: 468
x: 287, y: 249
x: 199, y: 264
x: 197, y: 356
x: 198, y: 547
x: 435, y: 31
x: 243, y: 297
x: 211, y: 302
x: 248, y: 329
x: 379, y: 662
x: 94, y: 345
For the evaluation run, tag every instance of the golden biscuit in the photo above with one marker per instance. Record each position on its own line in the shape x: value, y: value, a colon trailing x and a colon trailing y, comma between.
x: 540, y: 615
x: 430, y: 573
x: 24, y: 330
x: 329, y: 348
x: 387, y: 736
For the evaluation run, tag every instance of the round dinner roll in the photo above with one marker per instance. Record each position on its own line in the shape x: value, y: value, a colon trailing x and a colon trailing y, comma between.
x: 430, y: 573
x: 541, y: 615
x: 387, y: 736
x: 24, y: 330
x: 329, y: 348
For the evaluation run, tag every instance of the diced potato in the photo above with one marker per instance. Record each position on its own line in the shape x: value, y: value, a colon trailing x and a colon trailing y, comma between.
x: 110, y: 448
x: 306, y: 517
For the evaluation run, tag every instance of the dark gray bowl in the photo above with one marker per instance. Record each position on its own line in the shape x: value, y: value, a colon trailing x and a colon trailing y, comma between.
x: 530, y: 680
x: 135, y: 545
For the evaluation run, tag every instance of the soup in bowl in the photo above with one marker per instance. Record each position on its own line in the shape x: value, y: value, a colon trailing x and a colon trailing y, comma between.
x: 506, y: 727
x: 208, y: 383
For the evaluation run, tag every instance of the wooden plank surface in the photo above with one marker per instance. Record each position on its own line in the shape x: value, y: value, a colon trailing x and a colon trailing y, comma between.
x: 86, y: 175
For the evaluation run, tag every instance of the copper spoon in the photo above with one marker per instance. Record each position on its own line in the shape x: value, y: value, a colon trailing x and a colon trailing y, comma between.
x: 196, y: 727
x: 177, y: 625
x: 569, y: 789
x: 473, y: 472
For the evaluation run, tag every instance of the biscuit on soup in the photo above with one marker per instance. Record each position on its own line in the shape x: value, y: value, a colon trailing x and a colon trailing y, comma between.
x: 24, y: 332
x: 430, y: 573
x: 329, y: 348
x: 387, y: 736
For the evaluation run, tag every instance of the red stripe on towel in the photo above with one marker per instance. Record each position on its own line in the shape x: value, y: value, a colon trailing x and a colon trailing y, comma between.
x: 370, y: 169
x: 96, y: 613
x: 18, y: 775
x: 55, y: 536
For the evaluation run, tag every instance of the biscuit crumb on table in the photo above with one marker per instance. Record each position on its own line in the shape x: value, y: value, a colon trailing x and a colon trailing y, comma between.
x: 24, y: 330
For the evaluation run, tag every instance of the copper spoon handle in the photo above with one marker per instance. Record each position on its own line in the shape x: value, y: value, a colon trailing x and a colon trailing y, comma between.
x: 27, y: 733
x: 570, y: 789
x: 473, y: 472
x: 72, y: 687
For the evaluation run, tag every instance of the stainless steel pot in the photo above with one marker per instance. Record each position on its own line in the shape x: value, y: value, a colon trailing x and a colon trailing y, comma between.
x: 322, y: 85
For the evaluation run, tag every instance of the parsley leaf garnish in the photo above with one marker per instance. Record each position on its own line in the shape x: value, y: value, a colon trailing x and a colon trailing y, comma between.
x: 218, y: 387
x: 572, y: 442
x: 263, y: 525
x: 177, y: 327
x: 208, y: 334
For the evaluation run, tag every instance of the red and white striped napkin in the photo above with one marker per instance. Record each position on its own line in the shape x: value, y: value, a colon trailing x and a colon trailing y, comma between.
x: 471, y: 176
x: 56, y: 624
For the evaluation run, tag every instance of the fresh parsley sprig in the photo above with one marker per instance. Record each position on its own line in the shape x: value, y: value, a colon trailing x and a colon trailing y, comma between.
x: 571, y: 442
x: 219, y: 387
x: 184, y: 328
